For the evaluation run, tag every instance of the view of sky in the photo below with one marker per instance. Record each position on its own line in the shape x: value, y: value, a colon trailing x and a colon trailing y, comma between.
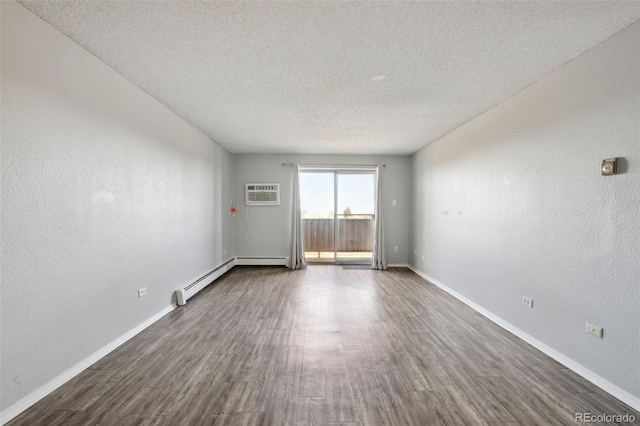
x: 355, y: 191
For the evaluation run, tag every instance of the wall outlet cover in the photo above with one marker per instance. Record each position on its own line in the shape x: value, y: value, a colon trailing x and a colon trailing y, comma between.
x: 595, y: 330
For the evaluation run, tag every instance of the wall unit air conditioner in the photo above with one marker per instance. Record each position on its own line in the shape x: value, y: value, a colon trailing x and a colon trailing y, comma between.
x: 262, y: 194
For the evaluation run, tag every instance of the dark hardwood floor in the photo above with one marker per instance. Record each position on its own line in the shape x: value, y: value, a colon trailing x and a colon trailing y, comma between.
x: 323, y: 346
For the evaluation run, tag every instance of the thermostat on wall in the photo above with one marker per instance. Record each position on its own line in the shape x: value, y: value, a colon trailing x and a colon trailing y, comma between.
x: 609, y: 167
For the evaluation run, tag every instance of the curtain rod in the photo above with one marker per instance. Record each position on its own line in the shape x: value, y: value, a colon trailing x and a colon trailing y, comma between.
x: 334, y: 165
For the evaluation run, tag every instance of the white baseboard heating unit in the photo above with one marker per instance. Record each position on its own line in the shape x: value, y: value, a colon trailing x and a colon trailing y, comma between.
x: 185, y: 293
x: 262, y: 261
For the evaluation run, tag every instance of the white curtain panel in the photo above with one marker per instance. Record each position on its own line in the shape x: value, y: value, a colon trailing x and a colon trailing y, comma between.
x: 296, y: 255
x: 379, y: 258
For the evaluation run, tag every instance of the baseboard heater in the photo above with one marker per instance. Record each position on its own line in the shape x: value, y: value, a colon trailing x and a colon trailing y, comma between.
x: 185, y: 293
x: 262, y: 261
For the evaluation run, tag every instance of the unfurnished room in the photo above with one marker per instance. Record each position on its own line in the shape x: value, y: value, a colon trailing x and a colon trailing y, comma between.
x: 319, y: 213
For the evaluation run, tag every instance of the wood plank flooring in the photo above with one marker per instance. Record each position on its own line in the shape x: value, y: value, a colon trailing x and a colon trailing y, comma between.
x: 267, y: 346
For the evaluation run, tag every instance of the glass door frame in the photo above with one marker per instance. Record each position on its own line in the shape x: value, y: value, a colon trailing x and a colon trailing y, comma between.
x: 336, y: 171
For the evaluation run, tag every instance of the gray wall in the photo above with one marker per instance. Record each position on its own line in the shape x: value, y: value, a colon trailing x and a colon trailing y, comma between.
x: 104, y: 191
x: 224, y: 180
x: 513, y: 204
x: 270, y: 225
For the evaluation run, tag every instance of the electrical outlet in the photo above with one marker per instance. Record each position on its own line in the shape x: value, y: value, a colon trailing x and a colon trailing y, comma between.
x: 396, y: 249
x: 422, y: 257
x: 394, y: 203
x: 527, y: 301
x: 595, y: 330
x: 142, y: 291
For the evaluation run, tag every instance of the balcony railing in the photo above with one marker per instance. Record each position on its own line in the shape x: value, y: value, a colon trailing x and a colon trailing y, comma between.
x: 355, y: 234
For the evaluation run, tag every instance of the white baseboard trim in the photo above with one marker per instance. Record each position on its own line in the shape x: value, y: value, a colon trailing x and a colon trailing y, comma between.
x: 17, y: 408
x: 262, y: 261
x: 624, y: 396
x: 397, y: 265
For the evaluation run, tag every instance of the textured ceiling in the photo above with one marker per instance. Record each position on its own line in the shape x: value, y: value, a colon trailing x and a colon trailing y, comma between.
x: 334, y: 77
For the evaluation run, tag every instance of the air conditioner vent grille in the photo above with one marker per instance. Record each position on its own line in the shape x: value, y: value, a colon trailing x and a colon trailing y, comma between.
x: 262, y: 194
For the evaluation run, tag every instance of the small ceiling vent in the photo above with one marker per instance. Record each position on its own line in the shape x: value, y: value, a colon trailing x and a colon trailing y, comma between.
x: 262, y: 194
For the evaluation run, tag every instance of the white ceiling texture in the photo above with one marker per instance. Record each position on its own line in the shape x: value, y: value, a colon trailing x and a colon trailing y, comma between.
x: 334, y: 77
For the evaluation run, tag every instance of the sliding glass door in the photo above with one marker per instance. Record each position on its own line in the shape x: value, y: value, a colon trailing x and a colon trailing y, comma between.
x: 317, y: 202
x: 355, y: 198
x: 337, y: 212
